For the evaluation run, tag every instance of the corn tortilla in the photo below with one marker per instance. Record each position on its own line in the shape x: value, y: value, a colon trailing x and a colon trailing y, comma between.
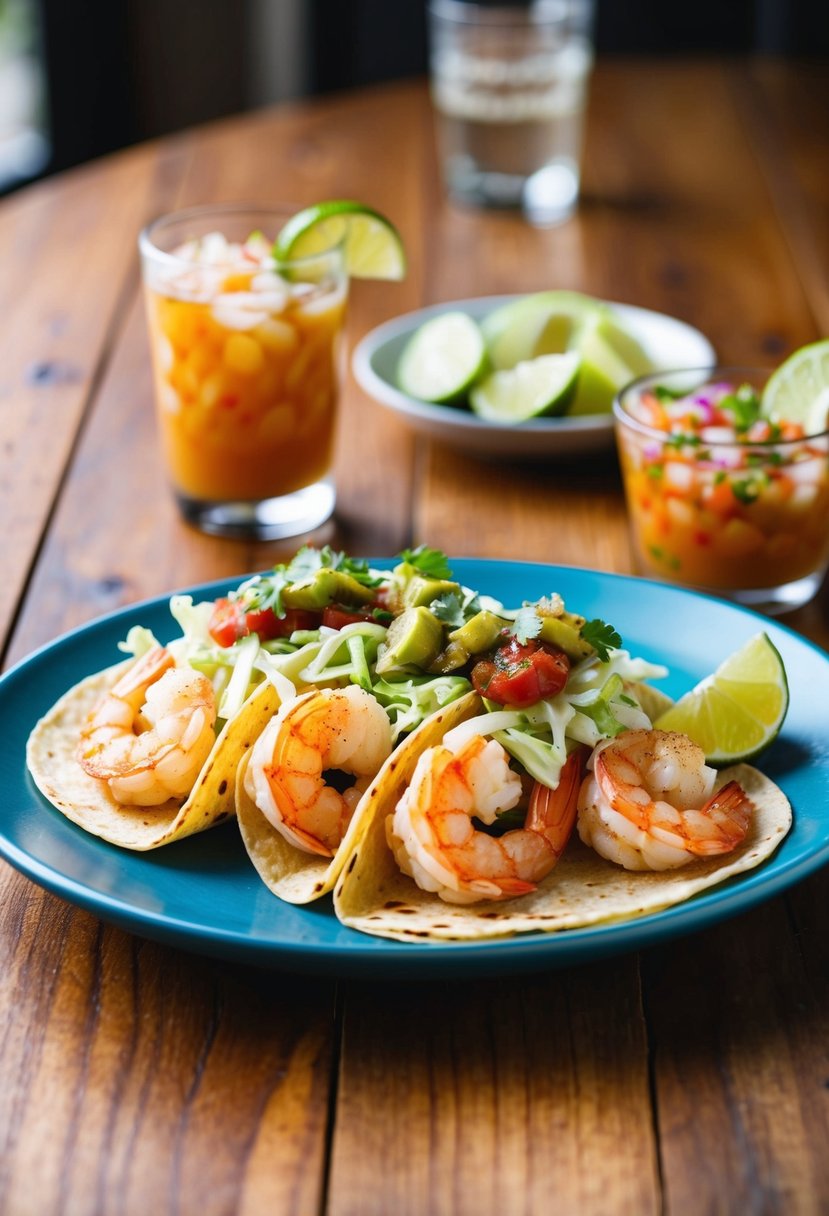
x: 88, y: 802
x: 584, y: 889
x: 299, y: 877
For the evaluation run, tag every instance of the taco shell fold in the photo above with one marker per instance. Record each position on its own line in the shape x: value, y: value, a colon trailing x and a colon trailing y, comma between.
x: 584, y: 889
x: 51, y: 758
x: 299, y: 877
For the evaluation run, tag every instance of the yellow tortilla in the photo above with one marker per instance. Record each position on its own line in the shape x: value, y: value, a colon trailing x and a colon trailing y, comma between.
x: 299, y: 877
x: 51, y: 757
x: 374, y: 896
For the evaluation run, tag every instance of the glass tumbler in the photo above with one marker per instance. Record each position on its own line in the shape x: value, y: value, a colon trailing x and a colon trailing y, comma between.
x: 246, y: 365
x: 509, y: 85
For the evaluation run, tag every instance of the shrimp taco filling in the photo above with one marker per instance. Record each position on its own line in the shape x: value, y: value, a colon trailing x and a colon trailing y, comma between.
x: 552, y: 802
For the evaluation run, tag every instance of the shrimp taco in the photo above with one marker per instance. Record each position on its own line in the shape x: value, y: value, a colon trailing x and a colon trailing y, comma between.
x: 137, y: 755
x: 520, y: 814
x: 356, y: 681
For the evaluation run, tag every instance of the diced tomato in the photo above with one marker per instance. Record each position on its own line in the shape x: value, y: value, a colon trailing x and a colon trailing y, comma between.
x: 230, y: 622
x: 227, y: 624
x: 521, y: 674
x: 337, y: 617
x: 268, y: 625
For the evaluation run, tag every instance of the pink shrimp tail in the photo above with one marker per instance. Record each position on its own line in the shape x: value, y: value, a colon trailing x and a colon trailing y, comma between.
x: 552, y: 813
x: 731, y: 809
x: 143, y: 672
x: 511, y: 887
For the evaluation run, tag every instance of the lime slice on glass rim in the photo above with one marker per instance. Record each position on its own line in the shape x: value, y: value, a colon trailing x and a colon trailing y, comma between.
x: 373, y: 248
x: 442, y: 359
x: 799, y: 390
x: 529, y: 390
x: 737, y: 711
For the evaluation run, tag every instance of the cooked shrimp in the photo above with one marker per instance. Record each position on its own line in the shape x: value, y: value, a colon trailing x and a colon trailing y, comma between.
x: 649, y: 803
x: 326, y: 729
x: 149, y: 736
x: 435, y: 841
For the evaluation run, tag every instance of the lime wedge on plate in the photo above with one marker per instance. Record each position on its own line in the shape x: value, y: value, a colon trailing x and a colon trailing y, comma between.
x: 442, y: 359
x: 373, y: 248
x: 736, y: 712
x: 529, y: 390
x: 799, y: 390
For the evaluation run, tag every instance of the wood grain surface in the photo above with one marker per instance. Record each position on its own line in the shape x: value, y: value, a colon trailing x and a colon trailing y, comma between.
x: 690, y: 1078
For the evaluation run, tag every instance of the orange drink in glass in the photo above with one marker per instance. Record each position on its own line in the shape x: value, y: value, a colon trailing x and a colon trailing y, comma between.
x: 720, y: 498
x: 246, y: 363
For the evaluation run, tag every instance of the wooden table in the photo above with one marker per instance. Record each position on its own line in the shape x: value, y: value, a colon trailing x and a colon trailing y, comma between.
x: 692, y: 1077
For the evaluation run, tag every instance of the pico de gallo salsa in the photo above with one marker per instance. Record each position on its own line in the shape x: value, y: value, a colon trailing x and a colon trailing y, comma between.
x: 718, y: 495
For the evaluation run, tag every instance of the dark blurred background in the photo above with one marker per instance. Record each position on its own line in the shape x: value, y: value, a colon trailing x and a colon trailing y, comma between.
x: 79, y: 78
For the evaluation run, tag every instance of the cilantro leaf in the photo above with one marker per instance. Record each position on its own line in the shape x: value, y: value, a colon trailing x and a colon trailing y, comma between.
x: 431, y: 562
x: 527, y: 624
x: 264, y: 591
x: 306, y: 562
x: 602, y: 637
x: 449, y: 609
x: 744, y: 406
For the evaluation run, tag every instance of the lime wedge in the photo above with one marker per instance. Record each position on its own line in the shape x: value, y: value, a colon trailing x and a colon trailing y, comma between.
x: 613, y: 333
x: 528, y: 390
x: 736, y: 712
x: 799, y: 390
x: 442, y: 359
x: 545, y: 323
x: 610, y: 360
x: 373, y: 248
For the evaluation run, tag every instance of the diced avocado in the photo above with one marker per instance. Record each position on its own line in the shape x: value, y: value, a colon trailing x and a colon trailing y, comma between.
x: 479, y: 633
x: 421, y: 590
x: 453, y: 656
x: 326, y: 587
x: 564, y: 633
x: 414, y: 638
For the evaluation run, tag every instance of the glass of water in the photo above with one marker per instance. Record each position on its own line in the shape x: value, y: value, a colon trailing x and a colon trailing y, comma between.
x: 509, y: 85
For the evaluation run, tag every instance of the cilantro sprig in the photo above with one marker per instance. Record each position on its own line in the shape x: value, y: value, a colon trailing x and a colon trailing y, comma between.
x: 431, y: 562
x: 265, y: 591
x: 602, y: 637
x: 526, y: 625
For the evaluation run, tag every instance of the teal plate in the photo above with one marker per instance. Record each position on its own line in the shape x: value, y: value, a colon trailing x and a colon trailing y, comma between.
x: 202, y: 894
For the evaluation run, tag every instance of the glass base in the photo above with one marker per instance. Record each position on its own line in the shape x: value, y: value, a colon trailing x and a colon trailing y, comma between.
x: 266, y: 519
x: 773, y: 601
x: 547, y: 198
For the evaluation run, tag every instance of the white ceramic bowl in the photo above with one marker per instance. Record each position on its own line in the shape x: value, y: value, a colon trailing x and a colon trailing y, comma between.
x: 669, y: 343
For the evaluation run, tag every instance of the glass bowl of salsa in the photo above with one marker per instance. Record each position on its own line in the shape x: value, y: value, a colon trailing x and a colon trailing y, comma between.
x: 721, y: 498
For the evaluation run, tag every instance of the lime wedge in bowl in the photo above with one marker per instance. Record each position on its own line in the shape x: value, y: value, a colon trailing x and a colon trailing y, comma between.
x: 736, y: 712
x: 373, y: 248
x: 799, y: 390
x: 531, y: 389
x: 545, y: 323
x: 442, y: 359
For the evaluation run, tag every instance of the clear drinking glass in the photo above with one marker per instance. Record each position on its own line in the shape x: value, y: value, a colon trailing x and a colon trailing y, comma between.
x: 246, y: 365
x: 509, y: 85
x: 743, y: 517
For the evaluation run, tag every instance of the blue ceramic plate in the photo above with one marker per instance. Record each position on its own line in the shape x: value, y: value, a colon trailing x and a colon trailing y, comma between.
x: 202, y: 894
